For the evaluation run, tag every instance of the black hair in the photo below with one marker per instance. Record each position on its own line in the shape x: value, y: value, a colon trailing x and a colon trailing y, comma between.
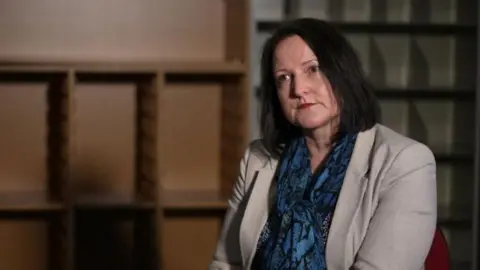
x: 339, y: 62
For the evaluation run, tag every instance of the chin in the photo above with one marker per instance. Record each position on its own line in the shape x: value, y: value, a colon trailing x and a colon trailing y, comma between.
x: 312, y: 124
x: 312, y: 119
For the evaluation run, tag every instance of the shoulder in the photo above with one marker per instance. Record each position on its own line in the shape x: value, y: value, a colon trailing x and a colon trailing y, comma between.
x: 395, y: 155
x: 398, y: 147
x: 256, y: 156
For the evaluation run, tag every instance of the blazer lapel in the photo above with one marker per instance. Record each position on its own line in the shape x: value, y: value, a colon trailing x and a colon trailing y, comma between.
x: 350, y: 195
x: 257, y: 209
x: 256, y: 213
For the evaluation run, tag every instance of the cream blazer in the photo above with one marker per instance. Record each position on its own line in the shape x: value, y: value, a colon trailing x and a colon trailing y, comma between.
x: 385, y: 217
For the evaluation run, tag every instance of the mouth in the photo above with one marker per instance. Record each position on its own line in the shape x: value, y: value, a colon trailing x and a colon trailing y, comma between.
x: 305, y: 106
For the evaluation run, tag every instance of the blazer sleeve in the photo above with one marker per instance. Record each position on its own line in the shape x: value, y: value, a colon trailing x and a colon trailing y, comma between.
x: 402, y: 228
x: 227, y: 255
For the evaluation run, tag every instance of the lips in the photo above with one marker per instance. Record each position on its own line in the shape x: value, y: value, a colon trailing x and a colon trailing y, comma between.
x: 305, y: 106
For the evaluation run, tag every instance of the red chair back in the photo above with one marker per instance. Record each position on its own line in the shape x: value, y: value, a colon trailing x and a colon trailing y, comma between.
x: 439, y: 256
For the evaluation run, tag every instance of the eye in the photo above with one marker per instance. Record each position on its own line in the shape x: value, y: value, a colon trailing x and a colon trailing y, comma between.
x: 313, y: 69
x: 283, y: 77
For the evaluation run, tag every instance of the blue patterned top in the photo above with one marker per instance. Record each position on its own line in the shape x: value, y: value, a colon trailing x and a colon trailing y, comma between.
x: 296, y: 231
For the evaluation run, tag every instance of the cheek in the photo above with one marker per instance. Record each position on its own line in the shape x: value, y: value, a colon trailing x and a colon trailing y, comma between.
x: 333, y: 104
x: 287, y: 105
x: 325, y: 93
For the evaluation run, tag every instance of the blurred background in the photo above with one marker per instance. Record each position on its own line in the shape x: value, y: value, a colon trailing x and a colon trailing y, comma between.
x: 122, y: 122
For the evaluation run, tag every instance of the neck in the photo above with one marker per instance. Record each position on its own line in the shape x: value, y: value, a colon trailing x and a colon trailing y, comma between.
x: 320, y: 140
x: 319, y: 144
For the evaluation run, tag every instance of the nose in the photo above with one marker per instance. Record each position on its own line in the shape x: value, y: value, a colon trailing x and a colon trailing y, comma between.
x: 299, y: 86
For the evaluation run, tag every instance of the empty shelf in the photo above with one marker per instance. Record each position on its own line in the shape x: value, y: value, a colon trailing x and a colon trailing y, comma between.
x: 18, y: 202
x: 193, y: 199
x: 112, y: 202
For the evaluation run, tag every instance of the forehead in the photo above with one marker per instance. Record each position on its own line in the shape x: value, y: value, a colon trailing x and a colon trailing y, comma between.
x: 293, y: 50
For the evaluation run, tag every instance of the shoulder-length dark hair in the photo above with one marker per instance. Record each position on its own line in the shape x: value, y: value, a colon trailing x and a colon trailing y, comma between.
x: 359, y: 109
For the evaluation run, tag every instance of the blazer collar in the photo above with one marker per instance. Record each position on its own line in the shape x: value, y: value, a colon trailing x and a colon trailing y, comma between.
x: 352, y: 190
x: 257, y: 209
x: 256, y: 213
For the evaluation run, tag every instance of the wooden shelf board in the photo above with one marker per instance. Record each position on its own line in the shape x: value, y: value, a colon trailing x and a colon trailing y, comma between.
x: 114, y: 75
x: 460, y: 265
x: 12, y: 202
x: 425, y: 94
x: 111, y: 202
x: 226, y: 68
x: 457, y: 158
x: 169, y: 67
x: 387, y: 28
x: 193, y: 199
x: 458, y: 224
x: 40, y: 74
x: 456, y: 216
x: 115, y: 69
x: 32, y: 69
x: 458, y: 153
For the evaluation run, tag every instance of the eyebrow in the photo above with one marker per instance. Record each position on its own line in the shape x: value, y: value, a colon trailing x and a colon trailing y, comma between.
x: 303, y: 63
x: 309, y: 61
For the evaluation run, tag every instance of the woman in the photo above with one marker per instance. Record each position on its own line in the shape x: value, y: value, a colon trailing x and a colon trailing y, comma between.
x: 327, y: 186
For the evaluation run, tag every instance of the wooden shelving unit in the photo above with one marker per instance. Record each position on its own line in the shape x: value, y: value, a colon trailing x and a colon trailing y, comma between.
x: 171, y: 142
x: 422, y: 59
x: 211, y: 136
x: 35, y: 166
x: 120, y: 152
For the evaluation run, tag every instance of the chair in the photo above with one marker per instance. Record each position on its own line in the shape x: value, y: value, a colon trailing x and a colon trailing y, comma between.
x: 438, y: 257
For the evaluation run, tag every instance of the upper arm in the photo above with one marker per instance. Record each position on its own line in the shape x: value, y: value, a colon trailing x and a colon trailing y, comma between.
x: 227, y: 254
x: 403, y: 225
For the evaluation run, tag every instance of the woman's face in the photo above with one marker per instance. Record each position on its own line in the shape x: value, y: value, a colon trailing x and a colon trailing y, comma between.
x: 304, y: 92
